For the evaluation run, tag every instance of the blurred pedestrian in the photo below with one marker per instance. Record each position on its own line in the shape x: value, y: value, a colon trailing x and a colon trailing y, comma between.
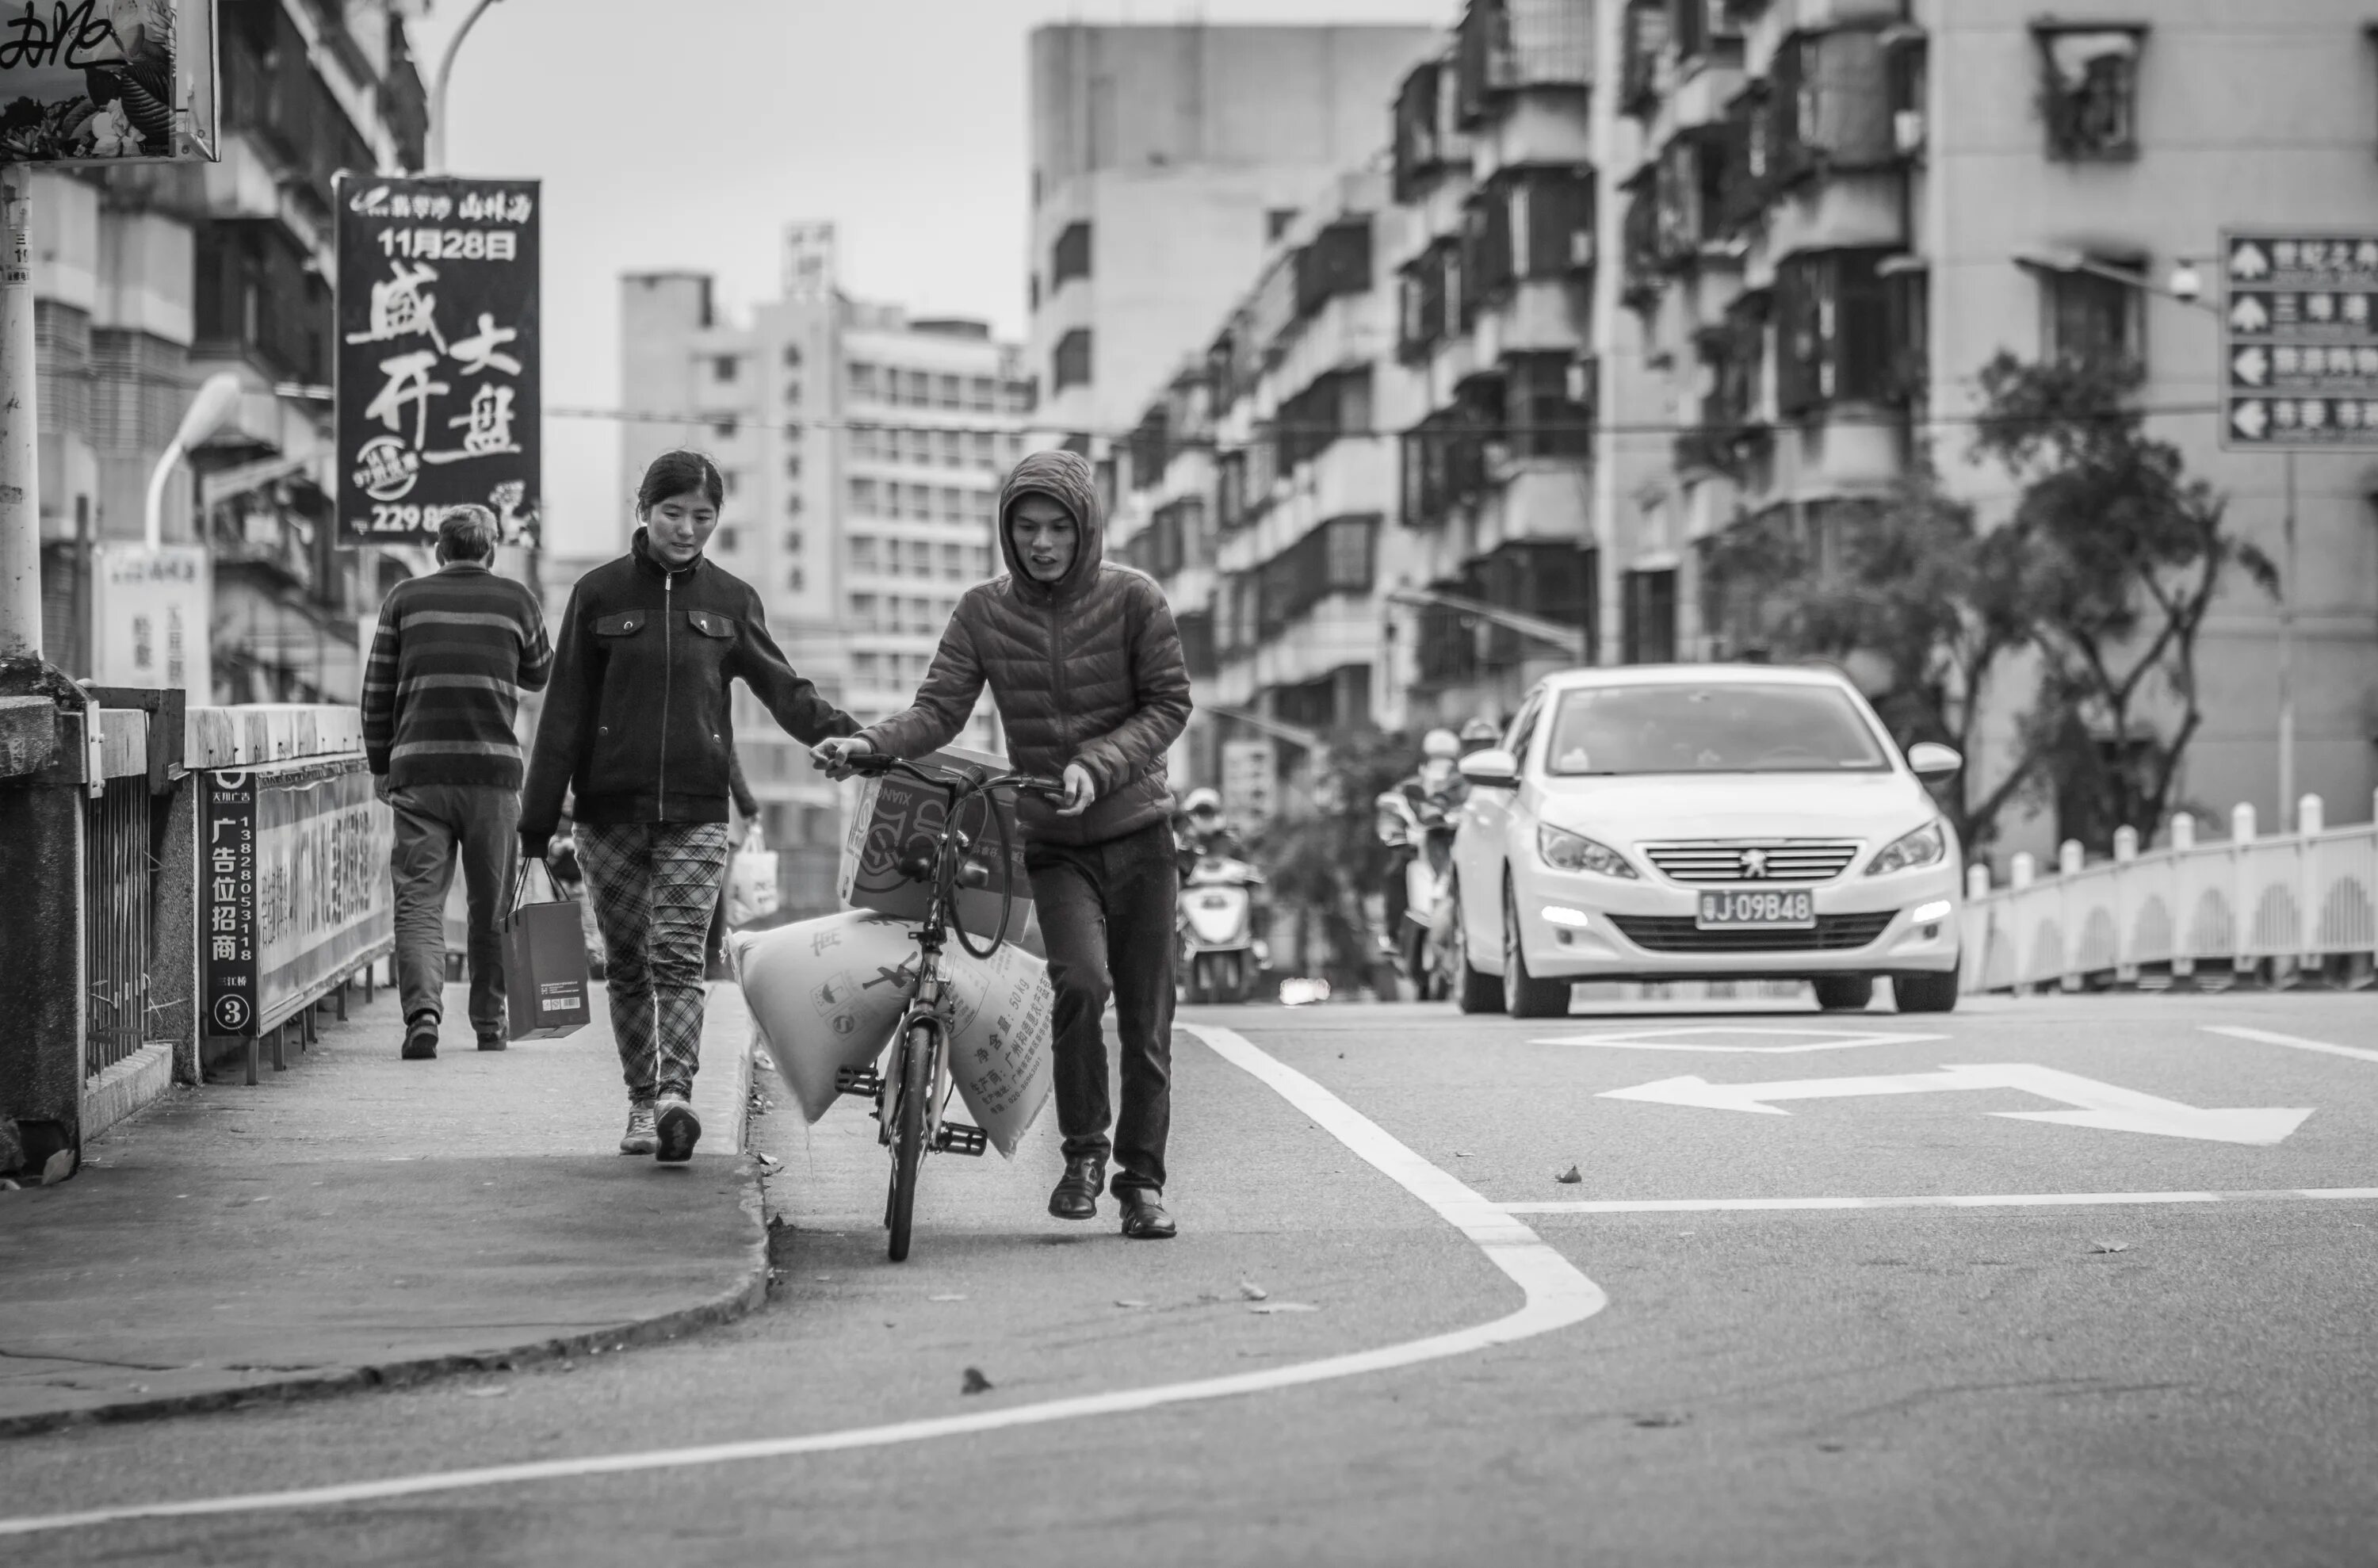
x: 638, y: 725
x: 453, y: 652
x: 1085, y: 663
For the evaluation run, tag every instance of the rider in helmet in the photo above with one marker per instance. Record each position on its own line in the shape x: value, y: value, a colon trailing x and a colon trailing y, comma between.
x: 1200, y: 830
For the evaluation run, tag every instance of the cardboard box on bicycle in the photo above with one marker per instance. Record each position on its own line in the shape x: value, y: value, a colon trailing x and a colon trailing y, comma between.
x: 826, y: 994
x: 895, y: 815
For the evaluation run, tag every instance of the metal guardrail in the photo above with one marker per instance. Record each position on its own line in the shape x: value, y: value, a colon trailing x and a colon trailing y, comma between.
x: 119, y: 871
x: 2297, y: 900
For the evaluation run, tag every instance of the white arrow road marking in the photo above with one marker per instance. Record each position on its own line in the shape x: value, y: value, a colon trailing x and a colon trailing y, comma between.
x: 1556, y: 1296
x: 2101, y: 1106
x: 1673, y: 1039
x: 2267, y: 1038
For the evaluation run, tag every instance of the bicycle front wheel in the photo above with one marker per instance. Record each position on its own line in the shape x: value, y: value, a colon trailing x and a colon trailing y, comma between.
x: 908, y: 1132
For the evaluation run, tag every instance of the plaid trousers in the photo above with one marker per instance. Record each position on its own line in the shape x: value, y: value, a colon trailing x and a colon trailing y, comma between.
x: 655, y: 884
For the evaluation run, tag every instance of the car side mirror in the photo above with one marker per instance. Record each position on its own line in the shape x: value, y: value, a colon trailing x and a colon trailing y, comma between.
x: 1930, y: 759
x: 1492, y: 769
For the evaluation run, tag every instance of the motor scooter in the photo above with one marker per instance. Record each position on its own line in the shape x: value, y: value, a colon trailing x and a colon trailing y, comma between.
x: 1219, y: 950
x: 1424, y: 835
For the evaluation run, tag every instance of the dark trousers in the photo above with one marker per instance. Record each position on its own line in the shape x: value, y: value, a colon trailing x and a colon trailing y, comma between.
x: 1107, y: 913
x: 437, y: 824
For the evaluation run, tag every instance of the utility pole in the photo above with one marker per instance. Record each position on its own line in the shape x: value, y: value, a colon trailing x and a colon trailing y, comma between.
x: 20, y: 440
x: 438, y: 87
x: 2288, y: 655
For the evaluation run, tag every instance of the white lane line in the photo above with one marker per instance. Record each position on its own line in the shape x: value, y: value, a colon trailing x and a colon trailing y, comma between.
x: 1557, y: 1295
x: 1985, y: 1200
x: 2298, y: 1042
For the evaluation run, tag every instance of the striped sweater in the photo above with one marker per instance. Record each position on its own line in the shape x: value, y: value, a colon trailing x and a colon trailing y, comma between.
x: 453, y: 653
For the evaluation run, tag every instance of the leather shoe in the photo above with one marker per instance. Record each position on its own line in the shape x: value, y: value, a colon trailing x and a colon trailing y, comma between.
x: 1144, y: 1218
x: 1076, y: 1197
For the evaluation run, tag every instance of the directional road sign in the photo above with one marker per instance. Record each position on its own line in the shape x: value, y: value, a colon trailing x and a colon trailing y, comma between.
x: 2299, y: 339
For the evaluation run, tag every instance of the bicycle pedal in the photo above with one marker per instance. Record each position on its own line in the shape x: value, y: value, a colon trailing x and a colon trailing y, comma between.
x: 863, y: 1081
x: 956, y: 1138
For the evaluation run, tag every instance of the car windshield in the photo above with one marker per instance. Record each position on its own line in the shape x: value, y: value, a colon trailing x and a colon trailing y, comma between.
x: 1745, y: 728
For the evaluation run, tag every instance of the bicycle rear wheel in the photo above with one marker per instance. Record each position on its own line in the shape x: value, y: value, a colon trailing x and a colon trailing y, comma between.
x: 908, y: 1132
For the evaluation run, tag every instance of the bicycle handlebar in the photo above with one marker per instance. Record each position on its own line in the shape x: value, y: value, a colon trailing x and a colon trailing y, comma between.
x: 955, y: 780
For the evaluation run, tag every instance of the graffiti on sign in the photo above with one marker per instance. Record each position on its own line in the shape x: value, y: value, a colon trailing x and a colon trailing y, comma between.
x: 109, y: 81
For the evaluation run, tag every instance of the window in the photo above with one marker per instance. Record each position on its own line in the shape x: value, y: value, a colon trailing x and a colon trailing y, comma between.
x: 1014, y: 447
x: 793, y: 504
x: 1628, y: 730
x: 723, y: 429
x: 863, y: 666
x: 916, y: 388
x: 982, y: 394
x: 792, y: 541
x: 796, y: 580
x: 982, y: 560
x: 1648, y: 618
x: 953, y: 563
x: 1338, y: 261
x: 921, y: 502
x: 1834, y: 332
x: 862, y: 379
x: 953, y: 507
x: 1070, y: 365
x: 1277, y: 220
x: 727, y: 540
x: 1070, y: 258
x: 949, y: 391
x: 1546, y: 419
x: 730, y: 480
x: 793, y: 466
x: 1333, y: 558
x: 985, y: 447
x: 1312, y: 421
x: 725, y: 368
x: 792, y: 391
x: 2089, y: 91
x: 862, y: 553
x: 953, y: 447
x: 862, y: 442
x: 862, y: 495
x: 2091, y: 316
x: 862, y: 610
x: 792, y: 357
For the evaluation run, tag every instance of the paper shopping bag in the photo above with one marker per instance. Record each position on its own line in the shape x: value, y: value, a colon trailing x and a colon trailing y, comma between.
x: 545, y: 966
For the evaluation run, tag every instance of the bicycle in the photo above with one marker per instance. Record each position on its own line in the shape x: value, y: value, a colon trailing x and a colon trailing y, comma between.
x: 910, y: 1100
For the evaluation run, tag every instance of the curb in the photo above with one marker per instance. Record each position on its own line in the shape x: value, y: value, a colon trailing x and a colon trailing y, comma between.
x: 749, y: 1293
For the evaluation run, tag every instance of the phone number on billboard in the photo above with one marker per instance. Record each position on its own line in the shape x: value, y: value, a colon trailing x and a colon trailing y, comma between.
x: 402, y: 519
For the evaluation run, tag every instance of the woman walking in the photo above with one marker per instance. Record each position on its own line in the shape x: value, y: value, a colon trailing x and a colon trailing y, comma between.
x: 638, y: 726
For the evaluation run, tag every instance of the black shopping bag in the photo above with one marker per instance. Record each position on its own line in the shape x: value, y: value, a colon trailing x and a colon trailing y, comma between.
x: 544, y: 965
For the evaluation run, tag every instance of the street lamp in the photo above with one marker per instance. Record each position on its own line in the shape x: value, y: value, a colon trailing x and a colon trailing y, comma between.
x: 438, y: 86
x: 217, y: 401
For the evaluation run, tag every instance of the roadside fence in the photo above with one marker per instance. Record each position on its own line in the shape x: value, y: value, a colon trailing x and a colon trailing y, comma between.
x: 2205, y: 915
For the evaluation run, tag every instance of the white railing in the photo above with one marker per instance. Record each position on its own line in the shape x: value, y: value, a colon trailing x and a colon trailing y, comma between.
x: 2299, y: 898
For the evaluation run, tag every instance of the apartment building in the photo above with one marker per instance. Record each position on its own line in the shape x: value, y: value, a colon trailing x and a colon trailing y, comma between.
x: 149, y: 278
x: 862, y: 451
x: 1166, y: 161
x: 1841, y: 210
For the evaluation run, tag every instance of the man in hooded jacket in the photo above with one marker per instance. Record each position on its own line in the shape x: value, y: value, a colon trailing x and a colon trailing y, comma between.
x: 1086, y: 666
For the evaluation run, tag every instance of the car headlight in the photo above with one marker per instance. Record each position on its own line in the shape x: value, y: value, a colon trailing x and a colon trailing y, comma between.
x: 1574, y: 851
x: 1927, y: 845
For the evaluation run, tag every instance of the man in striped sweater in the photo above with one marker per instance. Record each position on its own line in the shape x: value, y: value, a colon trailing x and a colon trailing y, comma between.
x: 453, y: 653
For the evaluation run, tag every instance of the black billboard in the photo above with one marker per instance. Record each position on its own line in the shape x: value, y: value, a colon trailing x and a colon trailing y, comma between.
x: 438, y: 391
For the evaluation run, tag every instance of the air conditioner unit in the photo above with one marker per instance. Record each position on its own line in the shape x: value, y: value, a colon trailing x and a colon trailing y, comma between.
x: 1907, y: 130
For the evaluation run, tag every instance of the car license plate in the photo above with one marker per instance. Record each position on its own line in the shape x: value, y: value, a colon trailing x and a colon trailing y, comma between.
x: 1756, y: 908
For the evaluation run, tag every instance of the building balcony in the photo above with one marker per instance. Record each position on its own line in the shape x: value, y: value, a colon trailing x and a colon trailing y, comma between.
x: 1538, y: 316
x: 1535, y: 130
x: 1847, y: 450
x: 1340, y: 630
x: 1867, y: 210
x: 1536, y: 499
x: 1701, y: 96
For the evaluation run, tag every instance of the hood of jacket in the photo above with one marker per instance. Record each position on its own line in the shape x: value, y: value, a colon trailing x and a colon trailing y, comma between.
x: 1065, y: 478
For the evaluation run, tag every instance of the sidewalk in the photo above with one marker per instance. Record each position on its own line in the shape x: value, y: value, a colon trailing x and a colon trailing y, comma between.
x: 360, y: 1220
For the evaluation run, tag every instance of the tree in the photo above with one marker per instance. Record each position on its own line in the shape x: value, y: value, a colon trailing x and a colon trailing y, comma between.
x: 1904, y: 591
x: 2115, y: 556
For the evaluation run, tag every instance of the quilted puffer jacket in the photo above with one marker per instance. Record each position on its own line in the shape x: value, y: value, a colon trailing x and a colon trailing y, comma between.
x: 1087, y: 669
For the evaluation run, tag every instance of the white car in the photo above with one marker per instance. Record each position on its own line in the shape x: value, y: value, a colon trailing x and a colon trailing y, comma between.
x: 1712, y: 822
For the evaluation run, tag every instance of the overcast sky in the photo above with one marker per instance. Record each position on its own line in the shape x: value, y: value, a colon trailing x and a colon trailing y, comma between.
x: 686, y: 133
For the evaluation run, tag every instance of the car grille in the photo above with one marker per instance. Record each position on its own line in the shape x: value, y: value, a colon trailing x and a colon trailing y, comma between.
x: 1776, y: 860
x: 1677, y: 934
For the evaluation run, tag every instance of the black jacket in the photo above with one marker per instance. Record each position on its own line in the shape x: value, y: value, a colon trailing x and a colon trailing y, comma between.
x: 637, y: 719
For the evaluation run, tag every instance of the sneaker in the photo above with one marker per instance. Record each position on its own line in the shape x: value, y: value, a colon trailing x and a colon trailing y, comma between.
x: 679, y: 1130
x: 421, y: 1037
x: 495, y: 1041
x: 642, y: 1137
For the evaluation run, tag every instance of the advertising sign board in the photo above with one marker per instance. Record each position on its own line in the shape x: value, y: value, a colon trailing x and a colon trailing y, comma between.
x: 439, y: 394
x: 150, y: 617
x: 1250, y: 783
x: 107, y: 81
x: 294, y: 870
x: 2299, y: 339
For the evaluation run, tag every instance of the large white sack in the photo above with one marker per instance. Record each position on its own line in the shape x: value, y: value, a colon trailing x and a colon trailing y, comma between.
x: 827, y: 993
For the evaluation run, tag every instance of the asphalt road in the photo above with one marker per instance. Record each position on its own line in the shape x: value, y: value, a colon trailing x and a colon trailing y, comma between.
x: 2095, y: 1380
